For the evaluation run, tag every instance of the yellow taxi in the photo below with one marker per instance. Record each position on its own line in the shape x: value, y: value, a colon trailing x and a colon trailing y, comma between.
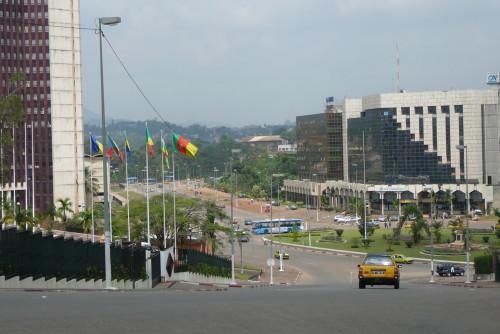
x: 378, y: 269
x: 400, y: 258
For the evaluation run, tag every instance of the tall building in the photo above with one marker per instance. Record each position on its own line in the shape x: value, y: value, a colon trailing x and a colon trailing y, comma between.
x: 41, y: 39
x: 405, y: 145
x: 320, y: 152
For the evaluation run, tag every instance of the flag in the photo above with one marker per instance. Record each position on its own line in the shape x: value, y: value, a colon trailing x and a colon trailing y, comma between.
x: 113, y: 148
x: 128, y: 150
x: 150, y: 144
x: 164, y: 151
x: 183, y: 146
x: 96, y: 145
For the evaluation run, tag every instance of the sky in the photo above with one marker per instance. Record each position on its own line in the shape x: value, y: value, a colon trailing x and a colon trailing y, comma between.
x: 240, y: 62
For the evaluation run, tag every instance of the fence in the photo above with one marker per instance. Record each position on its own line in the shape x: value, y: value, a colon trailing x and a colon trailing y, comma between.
x: 26, y: 254
x: 202, y: 263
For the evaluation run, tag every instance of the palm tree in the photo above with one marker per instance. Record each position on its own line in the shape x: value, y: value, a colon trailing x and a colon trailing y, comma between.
x: 85, y: 218
x: 65, y: 207
x: 448, y: 198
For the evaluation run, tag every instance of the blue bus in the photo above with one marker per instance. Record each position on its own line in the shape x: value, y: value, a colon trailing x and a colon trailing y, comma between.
x: 282, y: 225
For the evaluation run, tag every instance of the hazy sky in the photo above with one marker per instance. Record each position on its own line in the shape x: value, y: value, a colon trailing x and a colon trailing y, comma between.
x: 240, y: 62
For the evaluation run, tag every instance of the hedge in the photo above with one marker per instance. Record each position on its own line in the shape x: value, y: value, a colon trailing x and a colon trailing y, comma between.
x: 483, y: 264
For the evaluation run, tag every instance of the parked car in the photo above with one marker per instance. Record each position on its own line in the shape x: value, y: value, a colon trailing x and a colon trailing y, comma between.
x: 292, y: 206
x: 372, y: 223
x: 378, y: 269
x: 286, y: 256
x: 400, y: 258
x: 382, y: 218
x: 244, y: 237
x: 393, y: 218
x: 478, y: 212
x: 247, y: 221
x: 338, y: 218
x: 275, y: 203
x: 242, y: 195
x: 449, y: 269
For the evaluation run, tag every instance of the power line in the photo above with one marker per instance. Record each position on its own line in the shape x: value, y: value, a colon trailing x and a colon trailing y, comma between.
x: 148, y: 101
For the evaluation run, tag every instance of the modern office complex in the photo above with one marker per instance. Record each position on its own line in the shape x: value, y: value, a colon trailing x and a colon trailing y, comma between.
x: 40, y: 39
x: 405, y: 145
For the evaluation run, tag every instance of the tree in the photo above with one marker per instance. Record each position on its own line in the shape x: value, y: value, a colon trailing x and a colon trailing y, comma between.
x: 448, y: 198
x: 64, y: 208
x: 395, y: 203
x: 91, y: 187
x: 418, y: 224
x: 85, y: 218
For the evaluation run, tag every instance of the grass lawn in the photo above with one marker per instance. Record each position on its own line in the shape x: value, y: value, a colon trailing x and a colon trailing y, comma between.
x: 379, y: 245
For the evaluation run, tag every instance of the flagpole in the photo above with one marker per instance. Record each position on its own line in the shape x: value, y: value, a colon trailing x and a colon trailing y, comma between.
x: 14, y: 172
x: 163, y: 193
x: 25, y: 171
x: 110, y: 200
x: 174, y: 214
x: 147, y: 190
x: 92, y: 186
x: 32, y: 172
x: 126, y: 189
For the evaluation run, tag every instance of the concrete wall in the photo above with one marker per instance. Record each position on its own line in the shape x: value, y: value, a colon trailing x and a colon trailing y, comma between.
x: 41, y: 283
x: 66, y: 102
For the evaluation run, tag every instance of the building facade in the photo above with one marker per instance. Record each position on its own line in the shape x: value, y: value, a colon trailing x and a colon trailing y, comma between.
x: 40, y: 39
x: 405, y: 145
x: 320, y: 152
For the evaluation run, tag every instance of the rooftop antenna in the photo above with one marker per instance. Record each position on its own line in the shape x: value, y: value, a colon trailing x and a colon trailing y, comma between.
x: 398, y: 88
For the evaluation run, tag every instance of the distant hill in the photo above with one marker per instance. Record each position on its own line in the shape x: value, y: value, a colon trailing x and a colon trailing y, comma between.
x: 197, y: 133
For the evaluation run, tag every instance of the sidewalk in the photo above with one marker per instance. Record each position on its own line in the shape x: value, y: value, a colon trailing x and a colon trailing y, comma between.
x: 458, y: 281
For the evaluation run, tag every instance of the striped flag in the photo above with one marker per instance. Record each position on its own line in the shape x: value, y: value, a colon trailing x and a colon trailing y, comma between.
x: 150, y: 144
x: 113, y: 149
x: 97, y: 146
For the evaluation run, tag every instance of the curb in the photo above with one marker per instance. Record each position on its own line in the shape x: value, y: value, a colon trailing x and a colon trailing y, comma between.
x: 342, y: 252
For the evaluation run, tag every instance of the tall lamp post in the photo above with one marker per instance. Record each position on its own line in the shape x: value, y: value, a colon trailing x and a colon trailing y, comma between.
x: 467, y: 210
x: 233, y: 280
x: 215, y: 189
x: 272, y: 225
x: 356, y: 181
x: 108, y: 21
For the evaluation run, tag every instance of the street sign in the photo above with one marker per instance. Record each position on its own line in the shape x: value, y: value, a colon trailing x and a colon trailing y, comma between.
x: 270, y: 262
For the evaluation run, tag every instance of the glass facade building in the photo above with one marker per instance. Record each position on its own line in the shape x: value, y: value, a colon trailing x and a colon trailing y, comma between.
x: 319, y: 146
x: 392, y: 154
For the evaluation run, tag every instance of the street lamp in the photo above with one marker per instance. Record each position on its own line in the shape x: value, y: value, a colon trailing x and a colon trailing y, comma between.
x: 430, y: 229
x: 467, y: 210
x: 109, y: 21
x: 233, y: 280
x: 356, y: 166
x: 272, y: 225
x: 215, y: 189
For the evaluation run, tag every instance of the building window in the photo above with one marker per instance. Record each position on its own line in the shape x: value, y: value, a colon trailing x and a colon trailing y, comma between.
x: 448, y: 139
x: 459, y: 109
x: 434, y: 134
x: 408, y: 122
x: 461, y: 142
x: 419, y: 110
x: 421, y: 128
x: 405, y: 110
x: 431, y: 109
x: 445, y: 109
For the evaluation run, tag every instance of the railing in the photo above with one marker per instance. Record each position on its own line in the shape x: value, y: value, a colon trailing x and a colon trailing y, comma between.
x: 34, y: 254
x: 202, y: 263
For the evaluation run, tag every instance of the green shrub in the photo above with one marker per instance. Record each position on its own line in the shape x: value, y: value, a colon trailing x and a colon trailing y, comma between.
x: 367, y: 242
x: 483, y: 264
x: 354, y: 242
x: 497, y: 233
x: 486, y: 238
x: 339, y: 232
x: 409, y: 243
x: 396, y: 242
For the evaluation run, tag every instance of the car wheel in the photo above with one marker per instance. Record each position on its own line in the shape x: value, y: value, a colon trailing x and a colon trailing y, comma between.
x: 362, y: 285
x: 396, y: 284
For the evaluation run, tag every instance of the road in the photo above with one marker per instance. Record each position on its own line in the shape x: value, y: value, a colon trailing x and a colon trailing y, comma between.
x: 318, y: 309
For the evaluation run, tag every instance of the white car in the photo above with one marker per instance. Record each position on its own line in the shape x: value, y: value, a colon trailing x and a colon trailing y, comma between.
x: 338, y: 218
x: 382, y: 218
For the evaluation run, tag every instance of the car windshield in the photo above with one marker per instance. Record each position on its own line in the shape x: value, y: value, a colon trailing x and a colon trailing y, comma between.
x: 378, y: 261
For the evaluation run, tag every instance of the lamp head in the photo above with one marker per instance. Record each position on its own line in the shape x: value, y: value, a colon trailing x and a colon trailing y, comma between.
x: 110, y: 21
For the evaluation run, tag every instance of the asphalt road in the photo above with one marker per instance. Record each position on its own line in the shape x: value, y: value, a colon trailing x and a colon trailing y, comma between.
x: 319, y: 309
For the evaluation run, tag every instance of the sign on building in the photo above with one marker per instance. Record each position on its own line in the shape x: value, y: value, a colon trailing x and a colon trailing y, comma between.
x: 493, y: 78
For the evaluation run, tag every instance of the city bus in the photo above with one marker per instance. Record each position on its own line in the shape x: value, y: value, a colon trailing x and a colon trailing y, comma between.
x: 282, y: 225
